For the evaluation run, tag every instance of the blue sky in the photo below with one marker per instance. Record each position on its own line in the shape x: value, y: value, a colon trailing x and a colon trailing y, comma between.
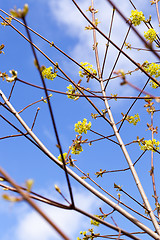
x: 60, y: 22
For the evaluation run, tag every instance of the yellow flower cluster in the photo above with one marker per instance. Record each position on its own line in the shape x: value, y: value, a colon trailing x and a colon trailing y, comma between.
x: 151, y: 145
x: 77, y: 148
x: 133, y: 119
x: 88, y: 235
x: 152, y: 69
x: 89, y: 69
x: 20, y: 13
x: 150, y: 35
x: 60, y: 157
x: 72, y: 90
x: 137, y: 17
x: 82, y: 127
x: 94, y: 222
x: 47, y: 73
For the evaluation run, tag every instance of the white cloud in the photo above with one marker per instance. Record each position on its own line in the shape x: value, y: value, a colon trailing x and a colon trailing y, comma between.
x: 66, y: 13
x: 68, y: 16
x: 48, y: 134
x: 31, y: 225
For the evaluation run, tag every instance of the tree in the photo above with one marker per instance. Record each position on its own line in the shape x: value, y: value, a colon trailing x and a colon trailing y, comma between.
x: 109, y: 147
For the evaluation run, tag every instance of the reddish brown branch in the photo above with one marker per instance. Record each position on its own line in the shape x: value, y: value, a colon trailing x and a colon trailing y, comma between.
x: 26, y: 197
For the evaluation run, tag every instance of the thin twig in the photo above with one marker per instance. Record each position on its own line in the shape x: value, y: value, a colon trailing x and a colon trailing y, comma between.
x: 152, y: 171
x: 12, y: 90
x: 107, y: 137
x: 51, y: 114
x: 33, y: 204
x: 35, y: 196
x: 89, y: 96
x: 10, y: 136
x: 125, y: 169
x: 116, y: 226
x: 157, y: 12
x: 31, y: 104
x: 133, y: 105
x: 35, y: 118
x: 116, y: 61
x: 107, y: 45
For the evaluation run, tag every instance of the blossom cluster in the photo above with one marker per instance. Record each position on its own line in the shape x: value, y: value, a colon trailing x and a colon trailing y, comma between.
x: 154, y: 70
x: 133, y: 119
x: 4, y: 76
x: 90, y: 27
x: 60, y: 157
x: 89, y: 69
x: 88, y: 235
x: 149, y: 105
x: 150, y: 35
x: 72, y: 90
x: 77, y: 148
x: 20, y: 13
x: 137, y: 17
x: 151, y: 145
x: 82, y: 127
x: 47, y: 73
